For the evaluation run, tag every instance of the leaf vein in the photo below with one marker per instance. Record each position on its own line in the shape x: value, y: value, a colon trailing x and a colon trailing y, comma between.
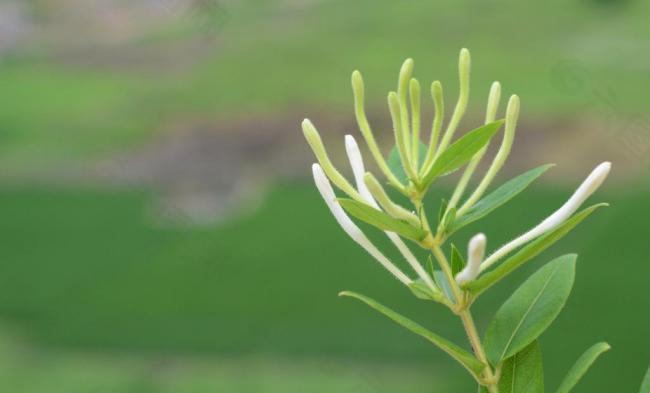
x: 532, y: 305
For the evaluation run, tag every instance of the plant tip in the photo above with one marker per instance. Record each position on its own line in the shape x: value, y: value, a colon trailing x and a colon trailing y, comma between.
x: 357, y: 79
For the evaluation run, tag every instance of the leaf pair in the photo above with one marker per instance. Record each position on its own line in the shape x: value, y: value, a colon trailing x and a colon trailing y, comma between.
x: 511, y: 337
x: 523, y: 372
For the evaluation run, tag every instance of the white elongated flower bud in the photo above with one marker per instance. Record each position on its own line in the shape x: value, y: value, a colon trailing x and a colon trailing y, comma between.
x: 588, y: 187
x: 358, y: 170
x: 475, y: 253
x: 327, y: 192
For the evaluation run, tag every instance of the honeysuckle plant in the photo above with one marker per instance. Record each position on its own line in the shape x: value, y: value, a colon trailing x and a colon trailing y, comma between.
x: 506, y: 357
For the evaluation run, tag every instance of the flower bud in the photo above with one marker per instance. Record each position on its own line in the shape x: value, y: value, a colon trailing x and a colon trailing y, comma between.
x: 327, y: 192
x: 475, y: 253
x: 584, y: 191
x: 316, y: 144
x: 358, y: 168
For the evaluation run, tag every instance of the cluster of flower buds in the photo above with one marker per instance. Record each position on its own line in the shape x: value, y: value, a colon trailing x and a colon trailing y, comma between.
x: 421, y: 164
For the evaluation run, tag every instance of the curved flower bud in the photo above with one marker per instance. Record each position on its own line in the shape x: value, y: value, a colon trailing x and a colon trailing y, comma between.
x: 362, y: 121
x: 327, y: 192
x: 405, y: 73
x: 512, y: 115
x: 464, y: 65
x: 387, y: 204
x: 439, y: 105
x: 400, y: 140
x: 494, y: 97
x: 490, y: 115
x: 414, y: 89
x: 588, y: 187
x: 475, y: 252
x: 316, y: 144
x: 358, y: 169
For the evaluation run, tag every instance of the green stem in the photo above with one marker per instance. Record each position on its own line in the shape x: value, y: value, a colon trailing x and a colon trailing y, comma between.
x: 461, y: 305
x: 462, y: 309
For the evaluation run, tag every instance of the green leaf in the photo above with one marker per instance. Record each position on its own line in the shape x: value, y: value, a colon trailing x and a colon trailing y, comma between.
x: 442, y: 282
x: 461, y: 151
x: 473, y: 365
x: 523, y: 372
x: 530, y: 309
x: 581, y: 366
x: 430, y: 266
x: 457, y: 261
x: 441, y: 210
x: 448, y: 218
x: 645, y: 385
x: 422, y: 291
x: 498, y: 197
x: 530, y: 251
x: 381, y: 220
x: 395, y: 162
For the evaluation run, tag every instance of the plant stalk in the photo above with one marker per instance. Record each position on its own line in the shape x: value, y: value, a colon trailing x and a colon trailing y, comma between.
x: 461, y: 304
x: 462, y: 310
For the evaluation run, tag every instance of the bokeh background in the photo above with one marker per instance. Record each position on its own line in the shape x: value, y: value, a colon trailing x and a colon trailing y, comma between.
x: 159, y: 231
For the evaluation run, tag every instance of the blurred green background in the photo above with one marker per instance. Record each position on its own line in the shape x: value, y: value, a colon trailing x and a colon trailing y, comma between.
x: 160, y: 232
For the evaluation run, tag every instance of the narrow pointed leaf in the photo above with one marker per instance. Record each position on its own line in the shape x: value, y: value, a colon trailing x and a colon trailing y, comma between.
x: 530, y: 310
x: 457, y: 261
x: 530, y: 251
x: 523, y: 372
x: 498, y: 197
x: 441, y: 210
x: 422, y: 291
x: 581, y: 366
x: 461, y: 151
x: 459, y: 354
x: 645, y: 385
x: 447, y: 219
x: 432, y: 270
x: 442, y: 282
x: 381, y: 220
